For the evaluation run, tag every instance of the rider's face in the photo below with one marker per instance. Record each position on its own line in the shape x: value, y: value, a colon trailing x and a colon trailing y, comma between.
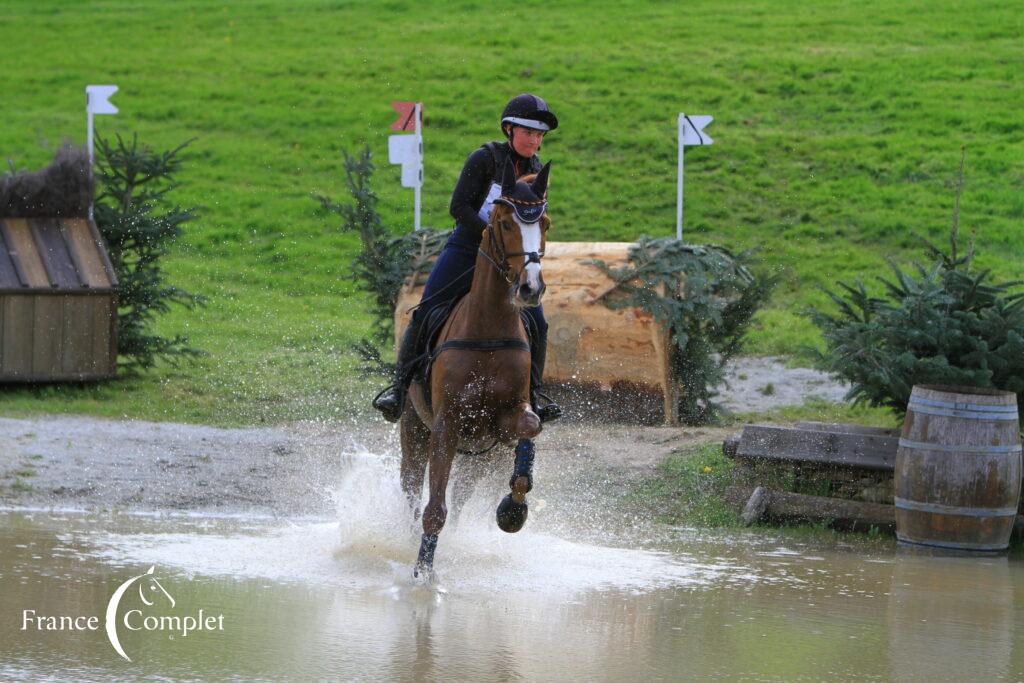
x: 526, y: 141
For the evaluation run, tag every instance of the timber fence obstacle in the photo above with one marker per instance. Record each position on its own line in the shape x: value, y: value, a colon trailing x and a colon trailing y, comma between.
x: 761, y: 503
x: 589, y: 344
x: 836, y: 452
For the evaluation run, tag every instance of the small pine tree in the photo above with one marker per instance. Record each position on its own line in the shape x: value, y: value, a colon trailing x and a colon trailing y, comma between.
x: 706, y: 296
x: 942, y: 324
x: 385, y: 262
x: 139, y: 225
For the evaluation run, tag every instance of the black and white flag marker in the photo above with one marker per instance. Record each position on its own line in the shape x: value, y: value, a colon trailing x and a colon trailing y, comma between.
x: 407, y: 150
x: 691, y: 132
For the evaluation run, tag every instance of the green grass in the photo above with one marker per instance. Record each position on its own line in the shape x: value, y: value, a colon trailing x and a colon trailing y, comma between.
x: 838, y: 129
x: 688, y: 488
x: 816, y: 410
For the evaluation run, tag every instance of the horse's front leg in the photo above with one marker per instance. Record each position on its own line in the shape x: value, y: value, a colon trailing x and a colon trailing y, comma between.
x: 415, y: 438
x: 443, y: 439
x: 512, y: 510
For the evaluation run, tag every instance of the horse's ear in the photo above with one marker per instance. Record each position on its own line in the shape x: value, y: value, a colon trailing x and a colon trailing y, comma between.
x: 508, y: 180
x: 540, y: 183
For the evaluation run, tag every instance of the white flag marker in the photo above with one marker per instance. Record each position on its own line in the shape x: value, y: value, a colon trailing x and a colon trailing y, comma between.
x: 97, y: 101
x: 691, y: 132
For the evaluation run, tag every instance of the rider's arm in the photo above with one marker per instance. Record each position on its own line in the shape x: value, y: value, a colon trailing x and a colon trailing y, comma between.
x: 471, y: 190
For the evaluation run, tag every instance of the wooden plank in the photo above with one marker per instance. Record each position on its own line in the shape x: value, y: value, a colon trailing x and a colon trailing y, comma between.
x: 86, y: 251
x: 868, y: 451
x: 23, y: 251
x: 77, y: 333
x: 112, y: 352
x: 100, y: 352
x: 17, y: 339
x: 47, y: 338
x: 101, y: 247
x: 784, y: 506
x: 847, y: 428
x: 756, y: 506
x: 11, y: 251
x: 53, y: 252
x: 840, y: 513
x: 8, y: 272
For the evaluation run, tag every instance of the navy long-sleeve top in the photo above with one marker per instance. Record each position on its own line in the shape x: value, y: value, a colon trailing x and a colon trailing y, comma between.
x: 475, y: 181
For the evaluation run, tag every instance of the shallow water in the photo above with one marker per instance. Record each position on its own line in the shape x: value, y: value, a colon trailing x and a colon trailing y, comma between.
x: 334, y: 599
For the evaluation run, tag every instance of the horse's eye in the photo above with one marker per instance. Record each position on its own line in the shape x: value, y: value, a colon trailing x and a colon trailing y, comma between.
x: 505, y: 225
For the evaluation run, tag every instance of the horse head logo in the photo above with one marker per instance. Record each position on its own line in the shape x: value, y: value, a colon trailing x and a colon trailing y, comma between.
x: 149, y: 590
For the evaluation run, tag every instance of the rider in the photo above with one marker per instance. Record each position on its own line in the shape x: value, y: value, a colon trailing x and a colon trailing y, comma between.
x: 525, y: 121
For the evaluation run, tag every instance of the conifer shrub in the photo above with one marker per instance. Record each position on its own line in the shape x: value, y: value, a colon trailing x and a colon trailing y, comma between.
x: 706, y: 297
x: 940, y: 323
x: 384, y: 261
x: 139, y: 223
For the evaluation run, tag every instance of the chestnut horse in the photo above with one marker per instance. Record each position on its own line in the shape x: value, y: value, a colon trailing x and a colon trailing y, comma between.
x: 480, y: 378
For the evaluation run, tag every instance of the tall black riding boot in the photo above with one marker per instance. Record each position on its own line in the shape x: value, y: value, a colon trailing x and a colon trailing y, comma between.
x: 391, y: 401
x: 550, y: 411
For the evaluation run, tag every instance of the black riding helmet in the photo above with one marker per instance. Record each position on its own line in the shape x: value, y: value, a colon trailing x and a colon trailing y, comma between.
x: 529, y: 111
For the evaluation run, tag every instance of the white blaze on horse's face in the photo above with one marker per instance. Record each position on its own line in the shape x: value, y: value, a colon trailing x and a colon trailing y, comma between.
x: 531, y: 234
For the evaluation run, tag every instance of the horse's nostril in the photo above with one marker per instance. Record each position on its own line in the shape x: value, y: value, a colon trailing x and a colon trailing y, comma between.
x: 525, y: 289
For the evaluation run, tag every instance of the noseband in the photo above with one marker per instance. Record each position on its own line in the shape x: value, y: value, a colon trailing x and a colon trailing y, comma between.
x: 503, y: 268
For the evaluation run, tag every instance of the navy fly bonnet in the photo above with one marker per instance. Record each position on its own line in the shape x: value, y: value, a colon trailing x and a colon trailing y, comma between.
x: 528, y: 200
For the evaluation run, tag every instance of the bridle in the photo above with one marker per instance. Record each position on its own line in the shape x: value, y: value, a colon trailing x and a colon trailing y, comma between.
x: 503, y: 268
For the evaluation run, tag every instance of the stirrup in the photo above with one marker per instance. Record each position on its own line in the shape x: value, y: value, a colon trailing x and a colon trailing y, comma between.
x: 390, y: 404
x: 550, y: 411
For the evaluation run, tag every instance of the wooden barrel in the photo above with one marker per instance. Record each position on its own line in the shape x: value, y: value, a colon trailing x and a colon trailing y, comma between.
x: 958, y: 468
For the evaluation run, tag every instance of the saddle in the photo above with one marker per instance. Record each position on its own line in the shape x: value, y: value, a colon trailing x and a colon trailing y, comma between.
x: 427, y: 349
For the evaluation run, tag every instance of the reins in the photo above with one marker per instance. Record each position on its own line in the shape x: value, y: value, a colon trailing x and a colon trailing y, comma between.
x: 504, y: 269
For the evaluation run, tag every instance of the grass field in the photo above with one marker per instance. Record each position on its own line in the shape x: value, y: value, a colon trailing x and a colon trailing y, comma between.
x: 838, y: 129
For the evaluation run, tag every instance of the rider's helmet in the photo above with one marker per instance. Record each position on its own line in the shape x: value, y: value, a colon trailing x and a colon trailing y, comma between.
x: 528, y: 111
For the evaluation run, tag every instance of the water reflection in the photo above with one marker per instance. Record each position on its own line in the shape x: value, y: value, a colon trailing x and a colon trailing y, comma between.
x: 951, y: 618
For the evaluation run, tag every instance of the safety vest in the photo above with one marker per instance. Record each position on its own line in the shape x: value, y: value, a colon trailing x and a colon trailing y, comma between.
x: 500, y: 152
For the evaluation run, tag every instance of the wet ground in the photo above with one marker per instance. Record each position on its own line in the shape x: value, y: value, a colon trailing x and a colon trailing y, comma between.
x: 92, y: 463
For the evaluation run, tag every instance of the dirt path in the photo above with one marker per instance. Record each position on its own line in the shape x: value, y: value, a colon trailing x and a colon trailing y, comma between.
x: 92, y: 463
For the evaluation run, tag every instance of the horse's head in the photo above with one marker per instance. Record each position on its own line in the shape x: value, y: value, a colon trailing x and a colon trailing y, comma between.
x: 518, y: 233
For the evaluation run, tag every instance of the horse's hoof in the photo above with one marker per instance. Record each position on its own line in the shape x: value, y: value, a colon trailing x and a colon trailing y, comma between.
x: 423, y: 573
x: 511, y: 515
x: 424, y: 568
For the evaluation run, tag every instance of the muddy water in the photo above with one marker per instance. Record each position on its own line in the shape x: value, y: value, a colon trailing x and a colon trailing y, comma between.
x: 333, y: 598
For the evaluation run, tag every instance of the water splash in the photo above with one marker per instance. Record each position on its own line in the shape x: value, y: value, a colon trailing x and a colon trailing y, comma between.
x: 373, y: 543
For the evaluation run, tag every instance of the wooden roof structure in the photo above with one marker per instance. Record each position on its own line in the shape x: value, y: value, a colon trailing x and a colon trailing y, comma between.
x: 53, y: 255
x: 58, y: 301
